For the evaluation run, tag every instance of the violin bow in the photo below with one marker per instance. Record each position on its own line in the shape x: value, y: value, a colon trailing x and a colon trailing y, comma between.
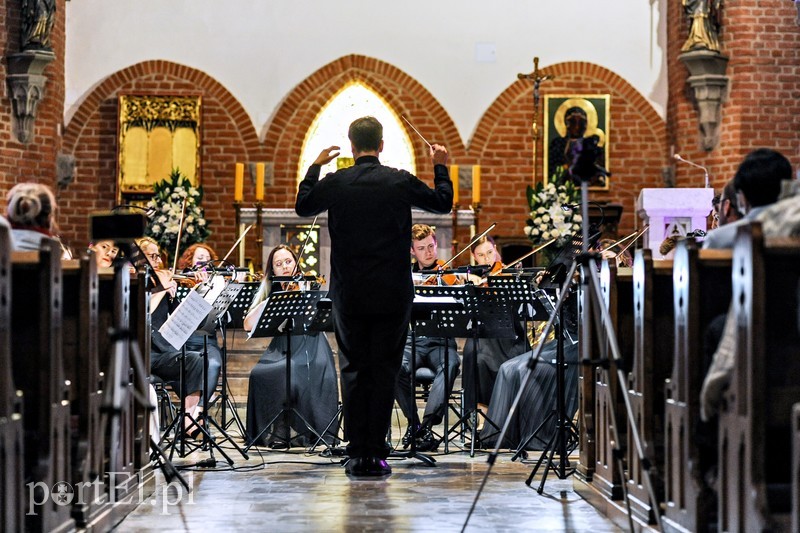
x: 537, y: 249
x: 467, y: 247
x: 180, y: 232
x: 303, y: 248
x: 237, y: 242
x: 638, y: 234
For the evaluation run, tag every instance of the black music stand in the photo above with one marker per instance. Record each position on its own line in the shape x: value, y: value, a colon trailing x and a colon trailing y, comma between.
x: 524, y: 303
x: 486, y: 314
x: 426, y: 303
x: 283, y: 313
x: 236, y: 313
x: 208, y: 327
x: 240, y: 306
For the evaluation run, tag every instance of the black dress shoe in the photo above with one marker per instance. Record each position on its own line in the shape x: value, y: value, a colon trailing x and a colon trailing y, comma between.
x: 426, y: 440
x: 375, y: 466
x: 354, y: 467
x: 411, y: 430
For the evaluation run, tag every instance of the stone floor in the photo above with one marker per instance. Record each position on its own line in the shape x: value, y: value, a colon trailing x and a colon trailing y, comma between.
x: 298, y: 491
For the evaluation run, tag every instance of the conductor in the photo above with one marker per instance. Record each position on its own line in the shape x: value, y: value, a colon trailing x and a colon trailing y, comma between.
x: 369, y: 218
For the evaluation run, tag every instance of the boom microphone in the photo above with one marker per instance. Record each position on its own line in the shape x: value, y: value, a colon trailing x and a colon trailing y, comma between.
x: 701, y: 167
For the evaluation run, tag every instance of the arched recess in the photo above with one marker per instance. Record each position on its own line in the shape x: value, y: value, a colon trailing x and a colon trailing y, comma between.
x: 227, y: 137
x: 127, y: 77
x: 503, y: 144
x: 405, y: 95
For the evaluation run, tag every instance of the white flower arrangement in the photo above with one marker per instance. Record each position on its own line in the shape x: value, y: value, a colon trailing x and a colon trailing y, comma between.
x: 166, y: 206
x: 547, y: 218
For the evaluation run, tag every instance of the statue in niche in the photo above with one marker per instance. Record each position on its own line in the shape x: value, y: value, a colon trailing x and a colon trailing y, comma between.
x: 38, y: 17
x: 703, y: 33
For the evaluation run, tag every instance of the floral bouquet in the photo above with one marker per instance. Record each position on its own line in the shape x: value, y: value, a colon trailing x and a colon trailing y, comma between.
x: 167, y: 206
x: 548, y: 220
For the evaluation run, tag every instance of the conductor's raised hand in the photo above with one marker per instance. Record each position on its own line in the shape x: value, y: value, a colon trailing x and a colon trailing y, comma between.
x: 327, y: 155
x: 439, y: 154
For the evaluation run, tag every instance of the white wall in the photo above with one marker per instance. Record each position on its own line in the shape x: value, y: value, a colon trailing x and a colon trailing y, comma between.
x: 261, y: 49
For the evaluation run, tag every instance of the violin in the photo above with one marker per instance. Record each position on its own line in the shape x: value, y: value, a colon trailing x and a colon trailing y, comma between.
x: 437, y: 279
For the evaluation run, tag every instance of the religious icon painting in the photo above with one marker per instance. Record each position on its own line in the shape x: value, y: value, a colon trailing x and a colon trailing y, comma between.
x: 570, y: 118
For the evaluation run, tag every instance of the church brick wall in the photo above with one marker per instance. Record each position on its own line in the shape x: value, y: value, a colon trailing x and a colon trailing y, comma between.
x: 35, y: 161
x: 762, y: 41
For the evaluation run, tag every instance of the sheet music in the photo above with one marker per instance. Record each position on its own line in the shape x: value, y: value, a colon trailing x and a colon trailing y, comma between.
x: 260, y: 308
x: 185, y: 319
x: 435, y: 300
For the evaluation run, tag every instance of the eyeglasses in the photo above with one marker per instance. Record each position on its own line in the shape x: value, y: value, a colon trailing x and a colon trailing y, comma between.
x: 156, y: 258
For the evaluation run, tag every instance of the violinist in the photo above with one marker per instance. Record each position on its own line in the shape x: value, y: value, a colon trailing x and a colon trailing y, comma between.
x: 491, y: 352
x: 105, y: 252
x: 164, y: 358
x: 194, y: 259
x: 315, y: 388
x: 191, y: 264
x: 429, y: 354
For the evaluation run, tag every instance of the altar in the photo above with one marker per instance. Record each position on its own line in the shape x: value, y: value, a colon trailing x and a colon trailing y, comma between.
x: 283, y: 226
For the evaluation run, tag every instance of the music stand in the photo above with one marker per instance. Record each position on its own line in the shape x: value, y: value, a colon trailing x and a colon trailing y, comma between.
x: 283, y: 312
x: 486, y: 314
x: 525, y: 305
x: 240, y: 306
x: 208, y: 327
x: 426, y: 304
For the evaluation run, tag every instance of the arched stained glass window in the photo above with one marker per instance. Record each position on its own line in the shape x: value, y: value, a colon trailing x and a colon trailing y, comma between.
x: 329, y: 128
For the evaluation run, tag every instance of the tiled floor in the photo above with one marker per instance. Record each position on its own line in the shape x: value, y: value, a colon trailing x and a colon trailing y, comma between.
x: 278, y: 491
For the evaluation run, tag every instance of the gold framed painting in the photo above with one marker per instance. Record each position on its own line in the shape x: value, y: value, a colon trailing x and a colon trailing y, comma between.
x: 568, y: 118
x: 157, y: 134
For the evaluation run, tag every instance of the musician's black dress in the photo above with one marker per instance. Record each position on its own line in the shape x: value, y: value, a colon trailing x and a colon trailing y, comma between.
x: 315, y: 391
x: 538, y: 400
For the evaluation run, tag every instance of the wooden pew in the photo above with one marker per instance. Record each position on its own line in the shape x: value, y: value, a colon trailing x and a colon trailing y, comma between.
x: 616, y: 287
x: 82, y: 369
x: 755, y: 422
x: 38, y: 371
x: 796, y: 464
x: 12, y: 458
x: 652, y: 362
x: 702, y: 289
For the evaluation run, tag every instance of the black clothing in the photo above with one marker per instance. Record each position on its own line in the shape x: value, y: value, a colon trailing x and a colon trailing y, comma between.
x: 491, y: 354
x: 315, y: 392
x: 165, y: 360
x: 430, y: 354
x: 369, y: 219
x: 537, y: 401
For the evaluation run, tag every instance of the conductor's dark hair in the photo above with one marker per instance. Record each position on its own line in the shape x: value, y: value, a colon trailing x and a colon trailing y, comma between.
x: 366, y: 134
x: 760, y: 175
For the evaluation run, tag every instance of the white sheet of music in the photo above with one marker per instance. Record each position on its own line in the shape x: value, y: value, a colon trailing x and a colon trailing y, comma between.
x: 185, y: 319
x: 435, y: 300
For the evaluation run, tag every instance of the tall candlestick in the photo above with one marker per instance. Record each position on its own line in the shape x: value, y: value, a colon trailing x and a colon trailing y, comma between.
x: 454, y: 178
x: 238, y: 184
x: 259, y: 181
x: 476, y: 184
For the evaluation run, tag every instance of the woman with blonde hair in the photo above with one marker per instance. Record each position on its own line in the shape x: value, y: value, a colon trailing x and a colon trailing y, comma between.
x: 30, y: 208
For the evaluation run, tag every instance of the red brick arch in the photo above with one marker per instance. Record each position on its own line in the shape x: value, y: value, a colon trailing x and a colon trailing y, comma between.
x: 227, y: 137
x: 287, y: 129
x: 503, y: 145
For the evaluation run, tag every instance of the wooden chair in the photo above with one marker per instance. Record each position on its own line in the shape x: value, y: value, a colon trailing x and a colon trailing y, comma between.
x: 756, y: 421
x: 701, y: 290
